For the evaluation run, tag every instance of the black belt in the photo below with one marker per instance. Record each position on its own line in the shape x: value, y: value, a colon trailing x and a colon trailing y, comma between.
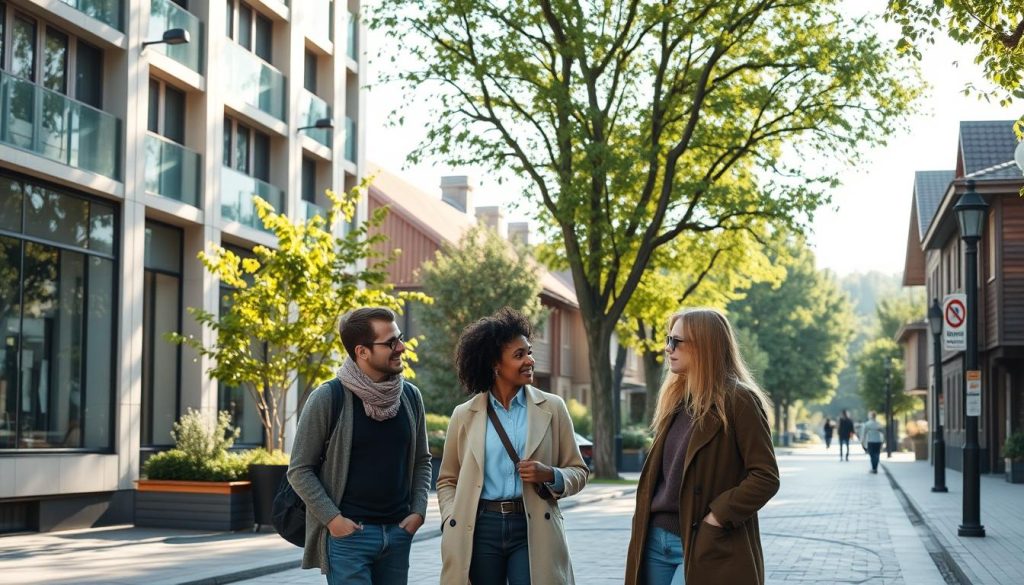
x: 503, y: 506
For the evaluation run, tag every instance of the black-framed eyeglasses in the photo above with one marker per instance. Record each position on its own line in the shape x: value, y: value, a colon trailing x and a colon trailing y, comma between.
x: 671, y: 342
x: 393, y: 342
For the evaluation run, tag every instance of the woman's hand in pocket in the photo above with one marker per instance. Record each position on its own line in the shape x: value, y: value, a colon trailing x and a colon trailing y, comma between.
x: 710, y: 519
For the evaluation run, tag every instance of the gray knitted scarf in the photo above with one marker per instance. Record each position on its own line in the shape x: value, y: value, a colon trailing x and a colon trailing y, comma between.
x: 380, y: 399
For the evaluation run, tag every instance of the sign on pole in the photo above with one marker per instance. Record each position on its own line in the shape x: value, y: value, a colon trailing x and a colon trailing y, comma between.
x: 973, y: 405
x: 954, y: 329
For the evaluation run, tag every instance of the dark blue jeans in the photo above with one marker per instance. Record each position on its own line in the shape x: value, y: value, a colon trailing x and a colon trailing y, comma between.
x: 500, y: 551
x: 376, y: 555
x: 842, y: 442
x: 874, y: 450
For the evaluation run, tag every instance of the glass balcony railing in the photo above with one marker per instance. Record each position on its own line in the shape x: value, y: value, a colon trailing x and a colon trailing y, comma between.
x: 319, y: 17
x: 172, y: 170
x: 106, y: 11
x: 236, y: 191
x: 253, y: 81
x: 165, y: 15
x: 352, y: 37
x: 312, y: 209
x: 59, y: 128
x: 350, y: 139
x: 311, y: 109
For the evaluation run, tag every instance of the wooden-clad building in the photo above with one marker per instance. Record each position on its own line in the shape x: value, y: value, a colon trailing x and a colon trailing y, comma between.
x: 935, y: 259
x: 419, y: 223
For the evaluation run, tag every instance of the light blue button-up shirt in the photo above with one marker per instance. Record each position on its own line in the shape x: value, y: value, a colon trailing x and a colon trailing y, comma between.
x: 501, y: 478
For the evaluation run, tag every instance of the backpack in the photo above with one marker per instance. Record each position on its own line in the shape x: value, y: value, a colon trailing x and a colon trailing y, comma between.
x: 289, y: 511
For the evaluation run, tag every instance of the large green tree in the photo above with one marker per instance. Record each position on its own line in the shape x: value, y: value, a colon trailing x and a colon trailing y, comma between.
x: 633, y: 123
x: 280, y: 329
x: 994, y: 27
x: 880, y: 362
x: 803, y: 325
x: 468, y: 281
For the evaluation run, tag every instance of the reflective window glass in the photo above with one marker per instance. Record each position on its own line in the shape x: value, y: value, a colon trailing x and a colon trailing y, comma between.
x: 163, y: 247
x: 89, y: 74
x: 56, y: 217
x: 23, y: 48
x: 10, y: 204
x: 99, y: 369
x: 55, y: 61
x: 101, y: 228
x: 10, y: 328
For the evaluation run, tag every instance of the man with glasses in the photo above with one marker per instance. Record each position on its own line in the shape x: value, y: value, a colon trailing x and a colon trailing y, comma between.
x: 364, y: 484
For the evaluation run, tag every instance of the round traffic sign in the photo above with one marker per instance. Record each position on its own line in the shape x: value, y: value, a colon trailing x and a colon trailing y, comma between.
x: 956, y: 312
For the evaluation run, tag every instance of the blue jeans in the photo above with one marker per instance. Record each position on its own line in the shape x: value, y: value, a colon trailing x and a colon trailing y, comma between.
x: 500, y: 550
x: 842, y: 442
x: 376, y: 555
x: 663, y: 558
x: 874, y: 450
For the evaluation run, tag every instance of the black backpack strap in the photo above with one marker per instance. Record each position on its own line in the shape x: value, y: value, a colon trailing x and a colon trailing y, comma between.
x: 337, y: 401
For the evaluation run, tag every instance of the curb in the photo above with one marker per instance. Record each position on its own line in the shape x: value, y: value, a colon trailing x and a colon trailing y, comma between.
x: 944, y: 561
x: 422, y: 535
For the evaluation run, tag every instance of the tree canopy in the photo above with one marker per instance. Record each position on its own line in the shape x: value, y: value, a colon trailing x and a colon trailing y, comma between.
x: 280, y: 328
x: 994, y: 27
x: 802, y: 325
x: 467, y: 282
x: 633, y: 123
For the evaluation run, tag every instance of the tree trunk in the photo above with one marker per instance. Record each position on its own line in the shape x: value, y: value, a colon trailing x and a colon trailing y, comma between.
x: 653, y: 370
x: 601, y: 395
x: 778, y: 422
x: 618, y: 371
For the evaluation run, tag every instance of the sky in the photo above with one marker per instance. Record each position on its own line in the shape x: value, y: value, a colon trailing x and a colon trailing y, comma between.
x: 865, y: 227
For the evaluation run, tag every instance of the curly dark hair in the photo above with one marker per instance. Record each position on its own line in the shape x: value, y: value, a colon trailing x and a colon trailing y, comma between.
x: 480, y: 345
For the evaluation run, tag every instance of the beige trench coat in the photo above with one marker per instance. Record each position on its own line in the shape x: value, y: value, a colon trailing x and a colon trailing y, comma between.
x: 549, y: 439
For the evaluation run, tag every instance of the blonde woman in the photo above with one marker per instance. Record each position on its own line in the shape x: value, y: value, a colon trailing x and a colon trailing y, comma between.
x: 712, y: 466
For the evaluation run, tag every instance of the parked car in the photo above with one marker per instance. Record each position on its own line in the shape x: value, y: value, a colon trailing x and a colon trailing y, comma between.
x: 586, y: 449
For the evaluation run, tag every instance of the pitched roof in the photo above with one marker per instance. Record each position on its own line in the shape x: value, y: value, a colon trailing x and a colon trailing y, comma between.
x: 985, y: 145
x: 929, y: 189
x: 445, y: 224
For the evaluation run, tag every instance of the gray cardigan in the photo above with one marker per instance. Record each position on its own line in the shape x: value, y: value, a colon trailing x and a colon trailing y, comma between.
x: 322, y: 494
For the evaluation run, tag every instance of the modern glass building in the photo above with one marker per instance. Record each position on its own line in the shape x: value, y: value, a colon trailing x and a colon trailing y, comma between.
x: 119, y: 162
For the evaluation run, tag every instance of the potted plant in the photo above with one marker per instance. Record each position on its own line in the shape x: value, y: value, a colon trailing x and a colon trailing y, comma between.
x: 279, y: 330
x: 198, y: 484
x: 437, y: 430
x: 636, y: 442
x: 917, y: 433
x: 1013, y: 451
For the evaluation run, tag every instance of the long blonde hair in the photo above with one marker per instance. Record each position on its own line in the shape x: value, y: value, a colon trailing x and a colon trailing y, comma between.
x: 715, y: 369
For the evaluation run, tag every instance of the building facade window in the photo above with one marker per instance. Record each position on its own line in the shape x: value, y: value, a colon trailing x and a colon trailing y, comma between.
x: 161, y: 314
x: 57, y: 317
x: 250, y: 29
x: 246, y: 150
x: 166, y: 115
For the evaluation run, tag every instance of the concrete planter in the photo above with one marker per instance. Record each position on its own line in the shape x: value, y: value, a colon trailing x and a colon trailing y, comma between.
x: 194, y: 505
x: 1015, y: 470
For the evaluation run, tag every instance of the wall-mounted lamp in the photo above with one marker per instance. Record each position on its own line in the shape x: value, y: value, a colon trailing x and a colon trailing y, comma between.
x: 174, y: 36
x: 321, y: 124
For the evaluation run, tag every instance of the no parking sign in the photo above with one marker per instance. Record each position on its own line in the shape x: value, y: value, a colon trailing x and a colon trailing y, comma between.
x: 954, y: 326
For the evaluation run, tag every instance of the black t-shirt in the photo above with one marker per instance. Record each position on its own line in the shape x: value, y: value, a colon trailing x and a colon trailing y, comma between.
x: 377, y: 489
x: 845, y: 428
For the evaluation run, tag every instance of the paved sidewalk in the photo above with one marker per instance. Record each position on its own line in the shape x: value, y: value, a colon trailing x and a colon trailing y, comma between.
x: 129, y: 555
x: 996, y: 559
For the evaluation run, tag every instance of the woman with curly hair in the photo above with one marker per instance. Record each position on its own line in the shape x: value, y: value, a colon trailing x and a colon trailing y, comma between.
x: 711, y: 468
x: 498, y: 495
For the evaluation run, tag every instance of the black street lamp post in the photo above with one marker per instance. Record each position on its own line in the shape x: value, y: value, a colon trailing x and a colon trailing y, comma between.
x: 970, y: 213
x: 935, y: 318
x: 888, y: 409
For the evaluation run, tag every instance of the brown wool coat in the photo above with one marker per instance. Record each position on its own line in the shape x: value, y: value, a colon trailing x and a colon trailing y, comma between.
x: 550, y: 440
x: 729, y: 471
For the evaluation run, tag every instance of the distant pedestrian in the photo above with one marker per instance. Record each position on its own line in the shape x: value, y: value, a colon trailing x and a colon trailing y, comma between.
x: 711, y: 468
x: 845, y: 431
x: 829, y: 430
x: 872, y: 436
x: 510, y: 456
x: 366, y: 489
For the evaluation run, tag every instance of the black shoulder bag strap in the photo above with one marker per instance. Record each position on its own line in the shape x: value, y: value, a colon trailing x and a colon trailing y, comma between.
x: 542, y: 490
